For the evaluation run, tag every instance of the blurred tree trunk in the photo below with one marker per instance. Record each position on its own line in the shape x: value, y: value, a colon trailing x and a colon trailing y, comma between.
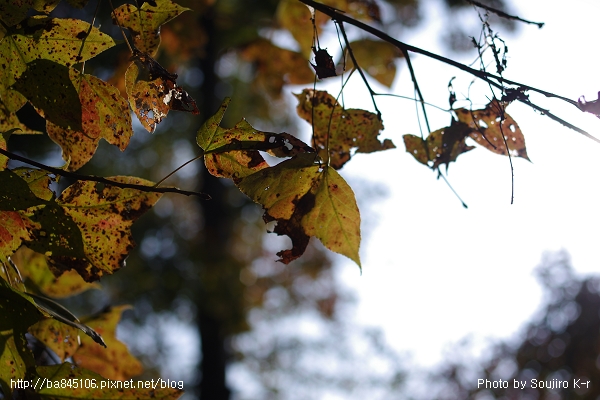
x: 212, y: 244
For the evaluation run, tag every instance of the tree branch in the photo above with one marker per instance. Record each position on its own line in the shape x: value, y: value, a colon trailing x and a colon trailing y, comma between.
x: 79, y: 177
x: 502, y: 14
x: 483, y: 75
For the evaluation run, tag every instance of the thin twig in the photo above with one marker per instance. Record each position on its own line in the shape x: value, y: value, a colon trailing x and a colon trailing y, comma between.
x: 360, y: 71
x: 502, y: 14
x: 79, y: 177
x: 484, y: 75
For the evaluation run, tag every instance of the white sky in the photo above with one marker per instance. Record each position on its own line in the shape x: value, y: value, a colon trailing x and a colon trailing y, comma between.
x: 434, y: 272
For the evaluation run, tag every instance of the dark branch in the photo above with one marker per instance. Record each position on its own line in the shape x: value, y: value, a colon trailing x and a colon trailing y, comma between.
x: 502, y: 14
x: 79, y: 177
x: 483, y: 75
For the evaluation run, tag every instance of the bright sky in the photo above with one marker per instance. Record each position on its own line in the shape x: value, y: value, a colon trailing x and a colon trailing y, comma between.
x: 434, y: 272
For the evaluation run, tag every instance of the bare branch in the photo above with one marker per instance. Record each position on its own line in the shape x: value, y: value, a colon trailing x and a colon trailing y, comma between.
x: 502, y: 14
x: 79, y: 177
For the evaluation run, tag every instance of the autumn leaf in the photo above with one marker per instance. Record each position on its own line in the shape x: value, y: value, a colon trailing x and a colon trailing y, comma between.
x: 59, y: 40
x: 62, y: 339
x: 153, y: 91
x: 114, y: 362
x: 104, y: 215
x: 69, y: 372
x: 46, y: 84
x: 234, y: 153
x: 144, y: 23
x: 37, y: 274
x: 441, y: 147
x: 104, y: 114
x: 338, y: 130
x: 375, y: 57
x: 276, y: 67
x: 490, y: 124
x: 307, y: 199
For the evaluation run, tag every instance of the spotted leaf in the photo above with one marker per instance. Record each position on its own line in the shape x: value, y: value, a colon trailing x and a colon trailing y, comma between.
x: 339, y: 132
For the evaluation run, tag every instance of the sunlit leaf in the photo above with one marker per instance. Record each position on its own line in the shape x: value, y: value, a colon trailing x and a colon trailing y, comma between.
x: 276, y: 66
x: 144, y: 24
x: 339, y: 130
x: 69, y: 373
x: 234, y: 153
x: 13, y: 231
x: 36, y: 272
x: 62, y: 339
x: 376, y: 58
x: 307, y: 200
x: 104, y: 115
x: 57, y: 40
x: 104, y: 214
x: 115, y: 362
x: 490, y: 124
x: 153, y: 91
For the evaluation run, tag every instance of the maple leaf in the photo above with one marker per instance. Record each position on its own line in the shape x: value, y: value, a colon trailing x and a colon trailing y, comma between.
x: 62, y: 41
x: 307, y: 200
x: 234, y: 153
x: 116, y: 364
x: 144, y: 22
x: 104, y: 114
x: 338, y: 132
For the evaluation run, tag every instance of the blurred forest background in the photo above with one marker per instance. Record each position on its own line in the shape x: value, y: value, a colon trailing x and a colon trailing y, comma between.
x: 212, y: 307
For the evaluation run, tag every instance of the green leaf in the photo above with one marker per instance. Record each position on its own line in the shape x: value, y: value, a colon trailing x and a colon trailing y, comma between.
x: 104, y: 115
x: 490, y: 124
x: 306, y: 200
x: 45, y: 6
x: 144, y: 24
x: 337, y: 131
x: 104, y: 214
x: 16, y: 193
x: 375, y: 57
x: 38, y: 181
x: 118, y: 363
x: 68, y: 372
x: 17, y: 310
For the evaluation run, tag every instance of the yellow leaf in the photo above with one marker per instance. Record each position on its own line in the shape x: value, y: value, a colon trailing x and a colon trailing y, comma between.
x: 104, y: 215
x: 144, y: 24
x: 307, y: 200
x: 62, y: 339
x: 375, y: 57
x: 337, y: 131
x: 114, y: 361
